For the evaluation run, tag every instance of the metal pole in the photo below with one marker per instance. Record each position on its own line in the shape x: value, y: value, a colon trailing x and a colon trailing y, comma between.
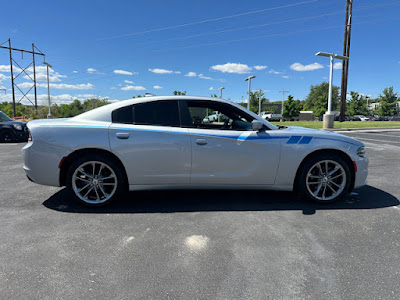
x: 221, y: 94
x: 330, y: 85
x: 259, y: 103
x: 12, y: 75
x: 49, y: 116
x: 248, y: 99
x: 283, y: 99
x: 34, y: 74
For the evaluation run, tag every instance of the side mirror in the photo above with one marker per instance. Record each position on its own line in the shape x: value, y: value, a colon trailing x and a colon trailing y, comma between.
x: 257, y: 125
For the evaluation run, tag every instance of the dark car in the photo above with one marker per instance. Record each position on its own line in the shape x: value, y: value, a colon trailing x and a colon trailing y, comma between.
x: 12, y: 131
x: 395, y: 118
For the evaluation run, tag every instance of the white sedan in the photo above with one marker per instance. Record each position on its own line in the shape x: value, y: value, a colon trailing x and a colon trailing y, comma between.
x: 164, y: 143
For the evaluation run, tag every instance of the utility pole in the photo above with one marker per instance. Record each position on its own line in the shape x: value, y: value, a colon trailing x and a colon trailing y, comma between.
x: 346, y: 53
x: 22, y: 70
x: 49, y: 116
x: 283, y: 99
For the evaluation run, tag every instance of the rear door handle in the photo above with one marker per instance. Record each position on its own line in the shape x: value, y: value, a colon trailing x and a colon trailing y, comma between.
x: 201, y: 142
x: 123, y: 135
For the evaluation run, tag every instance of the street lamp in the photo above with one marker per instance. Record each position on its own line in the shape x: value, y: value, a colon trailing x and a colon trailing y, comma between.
x: 49, y: 116
x: 328, y: 116
x: 283, y: 99
x: 220, y: 89
x: 248, y: 99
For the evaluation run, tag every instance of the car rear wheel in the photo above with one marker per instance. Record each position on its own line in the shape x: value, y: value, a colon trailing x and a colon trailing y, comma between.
x: 324, y: 178
x: 96, y: 180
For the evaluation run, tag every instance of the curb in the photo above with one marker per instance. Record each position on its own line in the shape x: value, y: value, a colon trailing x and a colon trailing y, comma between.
x: 365, y: 128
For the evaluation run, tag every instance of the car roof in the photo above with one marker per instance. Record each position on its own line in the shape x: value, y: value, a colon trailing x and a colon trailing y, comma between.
x: 103, y: 113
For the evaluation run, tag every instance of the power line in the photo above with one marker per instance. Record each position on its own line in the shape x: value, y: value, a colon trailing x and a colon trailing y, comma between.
x: 210, y: 20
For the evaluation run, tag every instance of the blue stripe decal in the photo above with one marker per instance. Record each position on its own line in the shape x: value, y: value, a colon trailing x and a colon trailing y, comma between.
x: 293, y: 139
x: 305, y: 140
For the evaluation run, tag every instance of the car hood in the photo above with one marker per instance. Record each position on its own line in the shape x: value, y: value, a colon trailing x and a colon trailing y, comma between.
x: 322, y: 133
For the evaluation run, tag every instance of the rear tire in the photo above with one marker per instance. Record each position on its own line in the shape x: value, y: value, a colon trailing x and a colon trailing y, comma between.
x: 324, y: 178
x: 96, y: 180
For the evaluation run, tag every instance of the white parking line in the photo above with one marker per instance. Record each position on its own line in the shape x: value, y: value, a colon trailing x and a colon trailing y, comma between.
x: 392, y: 136
x: 362, y: 138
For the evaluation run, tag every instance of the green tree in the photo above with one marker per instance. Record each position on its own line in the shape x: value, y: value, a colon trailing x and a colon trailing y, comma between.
x: 214, y: 96
x: 179, y: 93
x: 290, y: 108
x: 317, y: 99
x: 387, y: 102
x: 255, y: 97
x: 357, y: 105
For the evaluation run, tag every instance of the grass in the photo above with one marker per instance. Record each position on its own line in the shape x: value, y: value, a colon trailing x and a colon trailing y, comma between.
x: 339, y: 125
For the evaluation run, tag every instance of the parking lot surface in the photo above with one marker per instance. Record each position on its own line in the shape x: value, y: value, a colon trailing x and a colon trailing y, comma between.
x: 203, y: 244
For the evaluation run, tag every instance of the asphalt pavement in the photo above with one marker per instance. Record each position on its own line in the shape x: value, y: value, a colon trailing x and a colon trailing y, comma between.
x: 203, y: 244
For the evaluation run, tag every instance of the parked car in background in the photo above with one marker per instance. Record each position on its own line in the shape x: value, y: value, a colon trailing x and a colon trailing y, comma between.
x: 12, y: 131
x: 361, y: 117
x: 163, y: 143
x: 270, y: 116
x: 20, y: 118
x: 395, y: 118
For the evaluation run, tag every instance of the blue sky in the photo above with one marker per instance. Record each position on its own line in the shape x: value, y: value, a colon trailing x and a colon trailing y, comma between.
x: 120, y: 49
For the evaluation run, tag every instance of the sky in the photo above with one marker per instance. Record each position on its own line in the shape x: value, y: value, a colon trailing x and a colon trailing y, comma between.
x: 121, y: 49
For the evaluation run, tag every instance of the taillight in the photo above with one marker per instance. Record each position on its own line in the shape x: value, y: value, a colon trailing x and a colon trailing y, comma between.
x: 30, y: 137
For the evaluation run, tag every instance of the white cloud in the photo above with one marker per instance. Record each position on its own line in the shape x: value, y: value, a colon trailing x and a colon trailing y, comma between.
x: 232, y: 68
x: 161, y: 71
x: 177, y: 72
x: 285, y: 76
x: 311, y: 67
x: 211, y: 88
x: 205, y: 77
x: 75, y: 72
x: 6, y: 69
x: 275, y: 72
x: 43, y: 77
x: 259, y: 68
x: 91, y: 70
x: 133, y: 88
x: 128, y: 81
x: 123, y: 72
x: 60, y: 86
x: 157, y: 87
x: 191, y: 74
x: 2, y: 77
x: 337, y: 65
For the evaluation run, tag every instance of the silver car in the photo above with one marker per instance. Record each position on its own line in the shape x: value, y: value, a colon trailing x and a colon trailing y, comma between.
x: 164, y: 143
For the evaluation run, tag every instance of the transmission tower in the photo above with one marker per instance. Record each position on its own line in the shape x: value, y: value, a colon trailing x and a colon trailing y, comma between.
x: 21, y: 70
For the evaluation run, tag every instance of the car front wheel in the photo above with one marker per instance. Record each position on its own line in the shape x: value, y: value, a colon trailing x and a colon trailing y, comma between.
x: 96, y: 180
x: 324, y: 178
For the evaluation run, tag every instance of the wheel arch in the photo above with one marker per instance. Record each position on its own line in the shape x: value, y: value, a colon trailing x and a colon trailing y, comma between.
x: 68, y: 160
x: 340, y: 153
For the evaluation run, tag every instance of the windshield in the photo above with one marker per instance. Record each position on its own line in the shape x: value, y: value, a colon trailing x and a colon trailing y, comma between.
x: 4, y: 117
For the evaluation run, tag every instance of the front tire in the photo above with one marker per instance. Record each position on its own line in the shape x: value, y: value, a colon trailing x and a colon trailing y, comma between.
x: 6, y: 136
x: 324, y: 178
x: 96, y: 180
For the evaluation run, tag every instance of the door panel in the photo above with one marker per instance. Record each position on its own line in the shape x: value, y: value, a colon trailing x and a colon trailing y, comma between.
x: 234, y: 157
x: 153, y: 154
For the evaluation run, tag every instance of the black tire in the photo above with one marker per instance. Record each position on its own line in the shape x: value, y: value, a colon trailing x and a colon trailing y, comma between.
x: 116, y: 187
x: 6, y: 136
x: 307, y: 186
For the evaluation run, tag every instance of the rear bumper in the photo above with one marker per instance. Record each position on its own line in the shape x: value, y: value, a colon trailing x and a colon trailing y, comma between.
x: 41, y: 162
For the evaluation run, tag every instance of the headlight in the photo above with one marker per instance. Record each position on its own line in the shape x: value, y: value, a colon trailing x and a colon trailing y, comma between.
x: 361, y: 151
x: 17, y: 126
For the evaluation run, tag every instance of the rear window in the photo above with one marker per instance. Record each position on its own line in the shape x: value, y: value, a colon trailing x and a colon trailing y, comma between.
x: 158, y: 113
x: 161, y: 113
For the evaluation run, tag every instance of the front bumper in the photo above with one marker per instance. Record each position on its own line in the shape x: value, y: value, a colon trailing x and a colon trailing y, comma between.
x: 362, y: 172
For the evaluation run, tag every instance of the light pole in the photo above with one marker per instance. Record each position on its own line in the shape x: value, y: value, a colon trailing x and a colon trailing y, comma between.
x: 283, y: 99
x: 49, y: 116
x: 220, y: 89
x: 328, y: 116
x: 367, y: 98
x: 248, y: 99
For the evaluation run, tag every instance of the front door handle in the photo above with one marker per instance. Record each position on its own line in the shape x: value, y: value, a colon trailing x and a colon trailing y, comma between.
x: 201, y: 142
x: 123, y: 135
